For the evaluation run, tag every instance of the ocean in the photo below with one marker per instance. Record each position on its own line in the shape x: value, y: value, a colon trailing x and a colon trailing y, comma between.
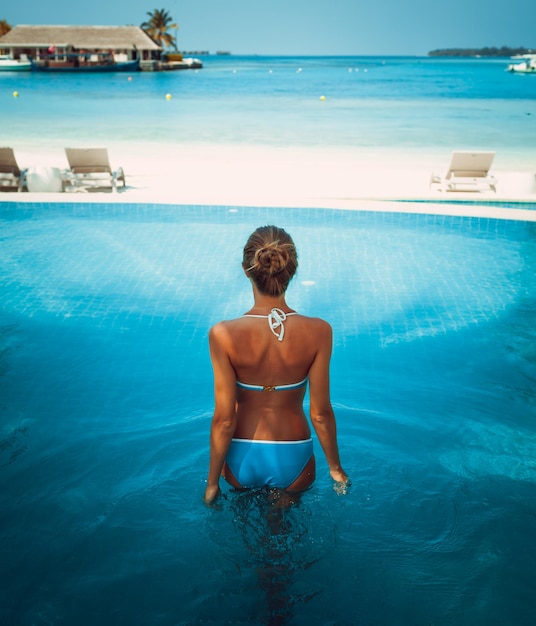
x: 415, y: 105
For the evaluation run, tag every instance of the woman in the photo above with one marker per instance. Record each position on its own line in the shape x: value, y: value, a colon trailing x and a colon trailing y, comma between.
x: 262, y: 362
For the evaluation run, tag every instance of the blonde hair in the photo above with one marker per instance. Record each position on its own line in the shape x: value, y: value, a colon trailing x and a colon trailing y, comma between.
x: 270, y: 259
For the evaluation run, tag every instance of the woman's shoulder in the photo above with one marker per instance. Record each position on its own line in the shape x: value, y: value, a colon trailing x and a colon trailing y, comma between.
x: 224, y: 328
x: 219, y: 330
x: 316, y: 322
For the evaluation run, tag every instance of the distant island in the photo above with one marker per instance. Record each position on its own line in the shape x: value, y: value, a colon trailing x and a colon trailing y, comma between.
x: 503, y: 51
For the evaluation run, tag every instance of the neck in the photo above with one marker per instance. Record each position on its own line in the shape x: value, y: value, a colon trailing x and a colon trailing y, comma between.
x: 264, y: 303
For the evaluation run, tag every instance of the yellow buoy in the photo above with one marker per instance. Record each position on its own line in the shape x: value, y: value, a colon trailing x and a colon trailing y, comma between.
x: 15, y: 94
x: 322, y: 97
x: 168, y: 96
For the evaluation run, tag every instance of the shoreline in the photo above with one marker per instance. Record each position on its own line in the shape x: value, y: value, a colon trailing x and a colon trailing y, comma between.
x: 315, y: 177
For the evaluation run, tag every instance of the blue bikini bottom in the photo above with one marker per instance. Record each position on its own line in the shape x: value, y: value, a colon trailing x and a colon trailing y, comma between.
x: 259, y: 463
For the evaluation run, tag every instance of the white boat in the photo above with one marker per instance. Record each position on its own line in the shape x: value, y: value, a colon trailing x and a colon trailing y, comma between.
x: 185, y: 64
x: 528, y: 66
x: 13, y: 65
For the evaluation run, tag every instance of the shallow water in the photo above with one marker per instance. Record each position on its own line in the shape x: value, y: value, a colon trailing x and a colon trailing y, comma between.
x: 371, y: 103
x: 107, y: 396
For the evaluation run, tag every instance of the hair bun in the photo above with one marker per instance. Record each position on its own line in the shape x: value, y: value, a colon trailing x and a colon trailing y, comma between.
x: 271, y: 258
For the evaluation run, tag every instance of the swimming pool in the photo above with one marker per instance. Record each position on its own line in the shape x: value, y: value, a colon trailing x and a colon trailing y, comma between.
x: 106, y: 404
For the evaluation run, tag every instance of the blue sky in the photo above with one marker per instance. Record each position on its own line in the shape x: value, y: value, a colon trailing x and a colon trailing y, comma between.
x: 290, y: 27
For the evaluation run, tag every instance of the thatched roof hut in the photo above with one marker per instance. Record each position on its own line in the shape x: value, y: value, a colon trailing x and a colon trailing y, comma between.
x: 35, y: 41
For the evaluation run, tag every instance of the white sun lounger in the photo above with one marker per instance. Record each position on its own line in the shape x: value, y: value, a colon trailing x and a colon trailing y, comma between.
x: 12, y: 178
x: 89, y: 168
x: 468, y: 171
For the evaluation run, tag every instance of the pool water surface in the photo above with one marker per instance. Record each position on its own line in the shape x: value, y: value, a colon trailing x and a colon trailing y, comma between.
x: 106, y: 400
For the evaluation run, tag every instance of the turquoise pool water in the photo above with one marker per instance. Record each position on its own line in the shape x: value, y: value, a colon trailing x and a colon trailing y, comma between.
x: 106, y: 399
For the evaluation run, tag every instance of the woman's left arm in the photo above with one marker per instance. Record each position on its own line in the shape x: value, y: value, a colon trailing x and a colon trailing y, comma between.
x: 224, y: 418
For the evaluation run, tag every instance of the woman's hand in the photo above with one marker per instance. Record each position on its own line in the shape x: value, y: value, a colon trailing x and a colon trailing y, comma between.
x: 211, y: 494
x: 342, y: 482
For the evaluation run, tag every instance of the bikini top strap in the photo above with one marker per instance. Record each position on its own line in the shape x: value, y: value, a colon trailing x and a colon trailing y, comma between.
x: 276, y: 317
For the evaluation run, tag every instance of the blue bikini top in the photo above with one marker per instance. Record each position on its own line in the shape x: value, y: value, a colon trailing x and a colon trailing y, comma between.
x: 275, y: 318
x: 302, y: 383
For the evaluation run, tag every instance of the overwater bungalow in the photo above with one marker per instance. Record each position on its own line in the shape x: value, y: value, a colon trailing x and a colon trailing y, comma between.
x: 82, y: 48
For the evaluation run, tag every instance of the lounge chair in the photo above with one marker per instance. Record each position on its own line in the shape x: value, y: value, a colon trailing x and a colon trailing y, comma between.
x: 89, y: 168
x: 468, y: 171
x: 12, y: 178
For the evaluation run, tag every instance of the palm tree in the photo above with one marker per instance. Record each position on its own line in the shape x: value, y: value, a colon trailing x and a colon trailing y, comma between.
x: 4, y: 27
x: 157, y: 28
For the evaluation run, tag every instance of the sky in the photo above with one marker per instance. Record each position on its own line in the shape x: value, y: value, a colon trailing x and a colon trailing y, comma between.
x: 307, y: 27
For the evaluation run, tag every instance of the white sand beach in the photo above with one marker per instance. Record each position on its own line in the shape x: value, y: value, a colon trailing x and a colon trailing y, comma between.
x: 294, y: 177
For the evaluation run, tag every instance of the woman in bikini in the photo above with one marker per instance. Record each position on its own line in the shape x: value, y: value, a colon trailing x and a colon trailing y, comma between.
x: 262, y: 363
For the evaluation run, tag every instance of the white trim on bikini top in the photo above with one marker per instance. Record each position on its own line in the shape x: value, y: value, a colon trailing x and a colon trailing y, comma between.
x: 282, y: 441
x: 249, y: 387
x: 275, y: 318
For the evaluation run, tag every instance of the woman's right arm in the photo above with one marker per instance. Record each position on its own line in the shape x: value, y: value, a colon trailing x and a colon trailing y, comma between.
x: 224, y: 418
x: 322, y: 415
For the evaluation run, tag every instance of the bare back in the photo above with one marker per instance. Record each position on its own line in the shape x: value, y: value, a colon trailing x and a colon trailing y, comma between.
x: 258, y: 358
